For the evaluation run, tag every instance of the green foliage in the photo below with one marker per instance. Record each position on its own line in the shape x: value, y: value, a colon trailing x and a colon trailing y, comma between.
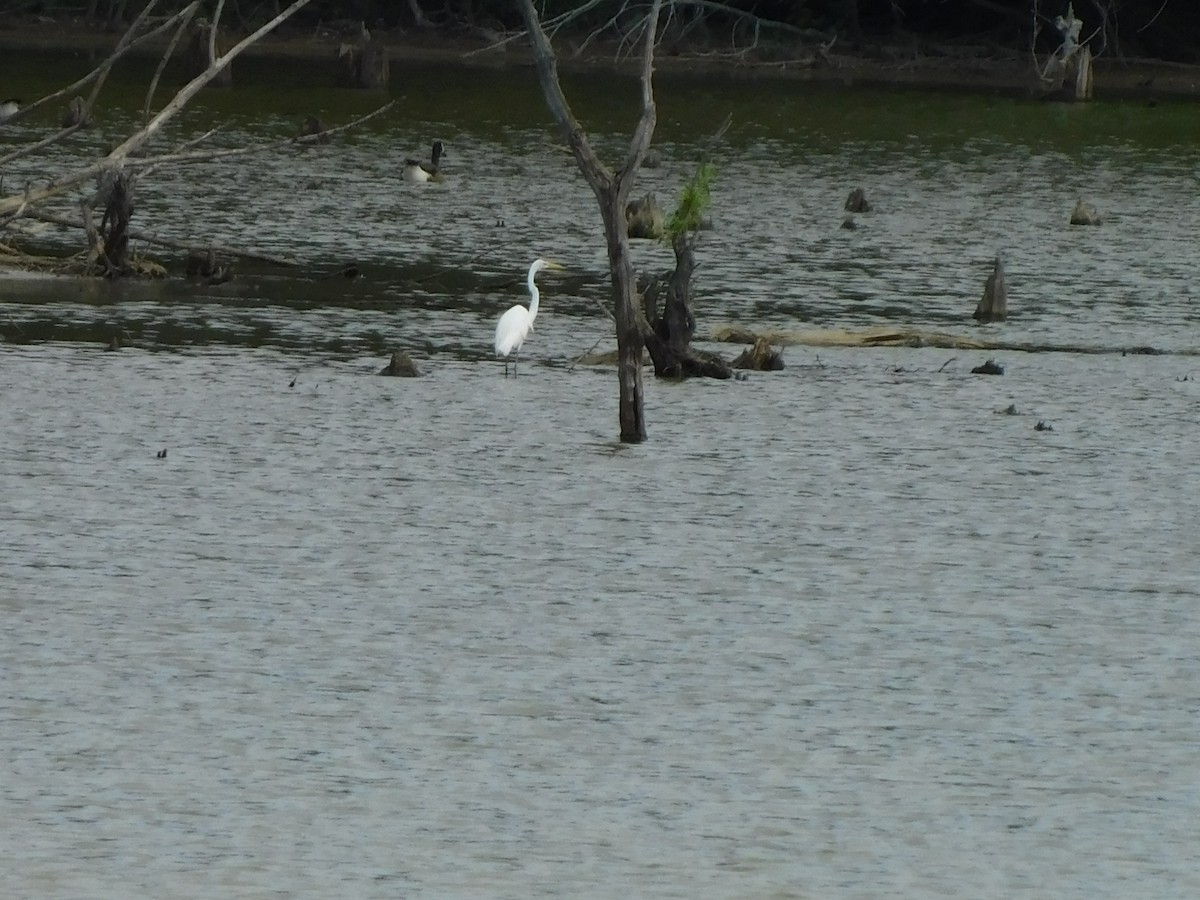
x: 693, y: 202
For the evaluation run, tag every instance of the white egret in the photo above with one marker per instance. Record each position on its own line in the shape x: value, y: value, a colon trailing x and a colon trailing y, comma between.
x: 417, y: 171
x: 514, y: 326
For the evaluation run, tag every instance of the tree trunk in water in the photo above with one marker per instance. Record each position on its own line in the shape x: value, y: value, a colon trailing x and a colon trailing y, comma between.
x: 612, y: 193
x: 629, y: 333
x: 993, y: 305
x: 669, y: 335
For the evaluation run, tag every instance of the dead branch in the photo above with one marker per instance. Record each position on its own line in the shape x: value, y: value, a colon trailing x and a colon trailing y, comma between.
x: 183, y: 156
x: 180, y: 30
x: 149, y: 163
x: 159, y: 241
x: 30, y: 149
x: 123, y: 47
x: 120, y: 155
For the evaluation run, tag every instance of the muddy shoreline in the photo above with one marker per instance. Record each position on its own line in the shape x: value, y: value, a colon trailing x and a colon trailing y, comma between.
x: 902, y: 64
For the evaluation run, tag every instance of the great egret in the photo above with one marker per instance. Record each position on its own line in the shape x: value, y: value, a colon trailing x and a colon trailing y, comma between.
x: 8, y: 109
x: 514, y: 326
x: 417, y: 171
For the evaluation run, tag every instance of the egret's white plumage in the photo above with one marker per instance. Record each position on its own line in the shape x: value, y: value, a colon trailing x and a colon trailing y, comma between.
x: 514, y: 326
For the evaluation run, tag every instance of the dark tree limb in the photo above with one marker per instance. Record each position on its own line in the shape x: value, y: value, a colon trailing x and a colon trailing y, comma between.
x: 612, y: 193
x: 668, y: 332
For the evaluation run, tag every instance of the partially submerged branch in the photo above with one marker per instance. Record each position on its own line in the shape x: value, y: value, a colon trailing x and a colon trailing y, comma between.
x: 126, y: 44
x: 119, y: 156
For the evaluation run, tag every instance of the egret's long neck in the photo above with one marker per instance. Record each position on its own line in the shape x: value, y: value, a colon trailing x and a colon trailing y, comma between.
x: 534, y: 296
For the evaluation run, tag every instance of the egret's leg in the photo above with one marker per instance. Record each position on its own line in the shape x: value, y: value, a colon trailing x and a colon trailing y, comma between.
x: 516, y: 356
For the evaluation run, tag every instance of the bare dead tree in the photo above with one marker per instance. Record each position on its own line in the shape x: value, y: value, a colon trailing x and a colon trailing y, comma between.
x: 127, y: 161
x: 612, y: 191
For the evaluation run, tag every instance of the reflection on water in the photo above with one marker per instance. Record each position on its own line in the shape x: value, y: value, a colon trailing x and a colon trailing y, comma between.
x: 847, y: 630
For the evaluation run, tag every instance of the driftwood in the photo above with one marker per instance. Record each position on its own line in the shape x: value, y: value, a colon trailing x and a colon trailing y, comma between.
x: 882, y: 336
x: 885, y: 336
x: 993, y: 305
x: 401, y: 366
x: 1085, y: 214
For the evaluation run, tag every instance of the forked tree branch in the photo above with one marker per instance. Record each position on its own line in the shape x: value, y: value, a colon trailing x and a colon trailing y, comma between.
x: 119, y: 155
x: 126, y: 44
x: 599, y: 176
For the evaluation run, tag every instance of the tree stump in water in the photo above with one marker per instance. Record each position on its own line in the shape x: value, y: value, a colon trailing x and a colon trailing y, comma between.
x: 197, y: 58
x: 762, y: 357
x: 669, y: 335
x: 77, y: 114
x: 401, y: 366
x: 644, y: 218
x: 1085, y: 214
x: 110, y: 243
x: 364, y: 63
x: 993, y: 305
x: 857, y: 201
x: 203, y: 266
x: 1067, y: 74
x: 1082, y: 75
x: 315, y: 128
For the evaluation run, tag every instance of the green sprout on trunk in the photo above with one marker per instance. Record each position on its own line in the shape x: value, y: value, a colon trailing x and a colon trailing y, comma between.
x: 693, y: 202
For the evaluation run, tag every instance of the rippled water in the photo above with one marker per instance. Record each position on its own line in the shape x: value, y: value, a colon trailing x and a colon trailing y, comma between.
x: 846, y: 630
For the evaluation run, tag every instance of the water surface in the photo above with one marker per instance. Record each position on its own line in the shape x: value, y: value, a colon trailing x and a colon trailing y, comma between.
x: 847, y: 630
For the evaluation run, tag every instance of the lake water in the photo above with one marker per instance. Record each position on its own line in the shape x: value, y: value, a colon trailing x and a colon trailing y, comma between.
x: 847, y: 630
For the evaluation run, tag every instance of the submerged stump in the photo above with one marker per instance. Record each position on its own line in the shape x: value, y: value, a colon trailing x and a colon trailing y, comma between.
x: 114, y: 228
x: 401, y: 366
x: 313, y: 127
x: 203, y: 266
x: 1067, y: 74
x: 197, y: 59
x: 1085, y: 214
x: 364, y: 63
x: 761, y: 357
x: 644, y: 218
x: 78, y: 114
x: 669, y: 335
x: 857, y: 201
x: 991, y: 367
